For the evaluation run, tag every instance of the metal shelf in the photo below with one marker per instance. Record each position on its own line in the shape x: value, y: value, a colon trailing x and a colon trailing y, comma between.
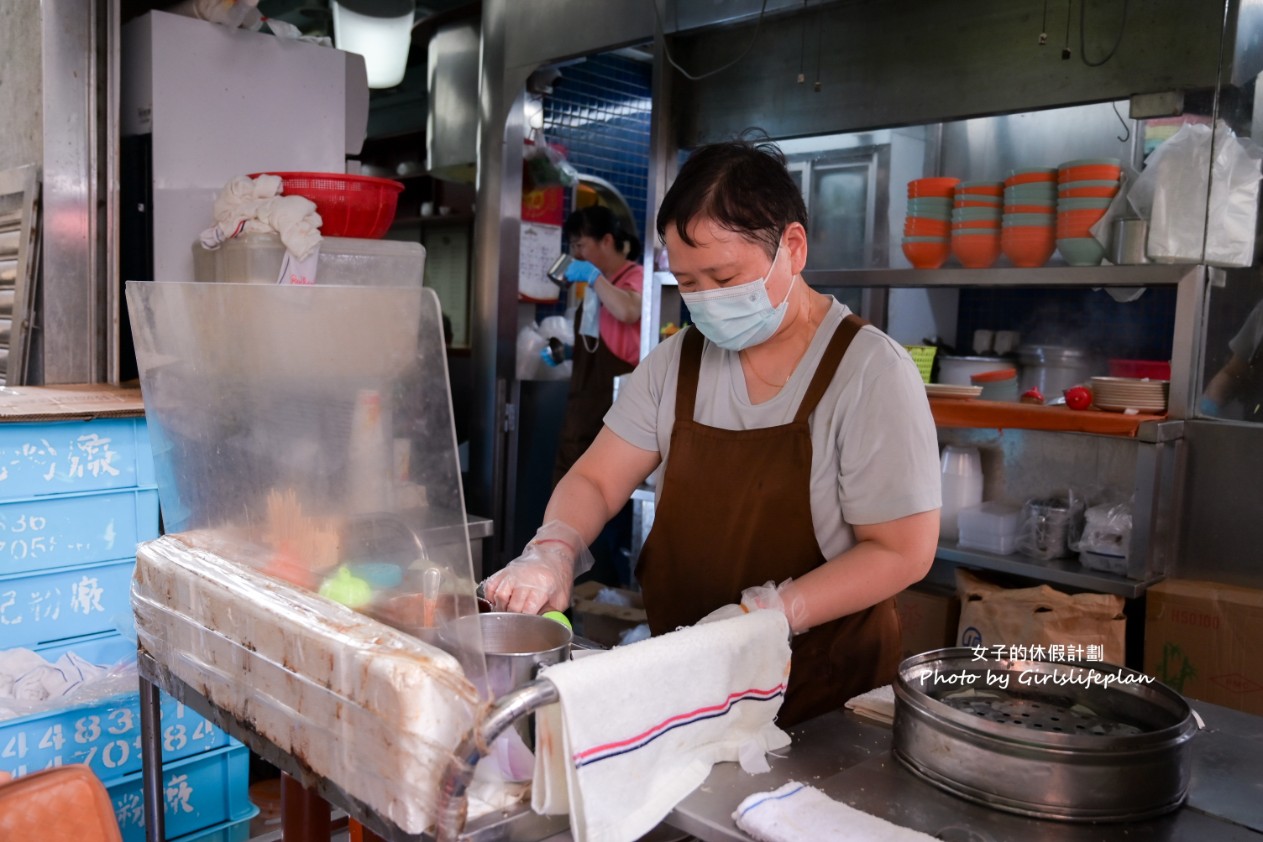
x: 1063, y: 571
x: 1151, y: 274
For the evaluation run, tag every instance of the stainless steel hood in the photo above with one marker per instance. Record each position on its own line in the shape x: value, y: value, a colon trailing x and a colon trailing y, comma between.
x: 451, y: 137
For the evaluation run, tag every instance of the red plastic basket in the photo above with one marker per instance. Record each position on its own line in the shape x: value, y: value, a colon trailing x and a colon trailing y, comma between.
x: 1152, y: 369
x: 349, y: 205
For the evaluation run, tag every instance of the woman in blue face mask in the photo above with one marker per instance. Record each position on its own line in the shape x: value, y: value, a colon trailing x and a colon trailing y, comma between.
x: 797, y: 457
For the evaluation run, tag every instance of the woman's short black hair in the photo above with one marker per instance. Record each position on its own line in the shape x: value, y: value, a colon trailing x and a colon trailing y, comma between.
x: 596, y: 221
x: 742, y: 185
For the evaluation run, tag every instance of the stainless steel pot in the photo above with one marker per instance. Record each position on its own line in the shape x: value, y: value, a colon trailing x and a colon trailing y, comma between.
x: 515, y: 645
x: 1053, y: 368
x: 1056, y: 742
x: 956, y: 371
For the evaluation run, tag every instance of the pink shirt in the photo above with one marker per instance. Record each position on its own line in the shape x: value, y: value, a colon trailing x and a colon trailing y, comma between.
x: 621, y: 338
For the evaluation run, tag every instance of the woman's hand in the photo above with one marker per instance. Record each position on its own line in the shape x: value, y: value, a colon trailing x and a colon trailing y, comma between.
x: 540, y: 578
x: 586, y: 498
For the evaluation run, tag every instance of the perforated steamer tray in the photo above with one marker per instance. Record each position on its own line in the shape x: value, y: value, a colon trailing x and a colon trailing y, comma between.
x: 1058, y: 740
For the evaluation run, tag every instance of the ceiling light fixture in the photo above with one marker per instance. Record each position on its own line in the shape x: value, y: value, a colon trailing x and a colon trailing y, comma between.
x: 380, y: 31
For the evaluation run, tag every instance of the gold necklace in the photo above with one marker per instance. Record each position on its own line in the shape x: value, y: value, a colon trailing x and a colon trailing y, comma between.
x: 750, y: 361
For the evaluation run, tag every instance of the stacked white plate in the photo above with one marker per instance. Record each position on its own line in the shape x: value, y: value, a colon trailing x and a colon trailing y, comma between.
x: 1122, y: 393
x: 948, y: 390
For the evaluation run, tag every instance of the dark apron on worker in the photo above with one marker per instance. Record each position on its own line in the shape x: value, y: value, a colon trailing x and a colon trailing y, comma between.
x: 734, y: 511
x: 591, y: 393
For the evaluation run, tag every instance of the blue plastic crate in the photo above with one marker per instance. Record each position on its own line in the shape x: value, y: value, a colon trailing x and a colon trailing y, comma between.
x: 238, y: 831
x: 44, y: 533
x: 60, y: 457
x: 59, y: 604
x: 104, y: 735
x: 201, y: 792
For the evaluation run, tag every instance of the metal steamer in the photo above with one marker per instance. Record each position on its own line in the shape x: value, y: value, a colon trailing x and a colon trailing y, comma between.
x: 1072, y: 741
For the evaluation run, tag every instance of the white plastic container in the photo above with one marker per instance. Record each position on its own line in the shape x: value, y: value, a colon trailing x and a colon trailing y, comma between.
x: 961, y: 472
x: 343, y: 261
x: 990, y: 526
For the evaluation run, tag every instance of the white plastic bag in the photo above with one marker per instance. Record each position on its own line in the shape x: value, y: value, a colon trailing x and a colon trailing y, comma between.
x: 1171, y: 194
x: 529, y: 344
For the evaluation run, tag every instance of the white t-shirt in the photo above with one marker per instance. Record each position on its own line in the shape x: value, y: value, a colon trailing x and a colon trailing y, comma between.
x: 874, y: 444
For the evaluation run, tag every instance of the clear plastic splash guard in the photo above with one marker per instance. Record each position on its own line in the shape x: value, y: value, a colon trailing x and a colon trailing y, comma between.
x: 307, y: 432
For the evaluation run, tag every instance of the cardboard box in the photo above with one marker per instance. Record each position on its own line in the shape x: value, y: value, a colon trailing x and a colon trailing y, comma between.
x: 1202, y: 639
x: 62, y: 403
x: 602, y: 621
x: 927, y: 616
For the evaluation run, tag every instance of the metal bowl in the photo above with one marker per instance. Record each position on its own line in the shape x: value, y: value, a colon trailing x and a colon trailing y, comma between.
x: 1073, y: 741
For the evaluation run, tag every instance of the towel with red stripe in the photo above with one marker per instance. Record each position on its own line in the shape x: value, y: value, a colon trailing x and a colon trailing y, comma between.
x: 639, y: 727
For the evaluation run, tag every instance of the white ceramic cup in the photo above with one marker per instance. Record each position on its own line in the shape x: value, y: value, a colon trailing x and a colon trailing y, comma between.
x: 983, y: 340
x: 1006, y: 341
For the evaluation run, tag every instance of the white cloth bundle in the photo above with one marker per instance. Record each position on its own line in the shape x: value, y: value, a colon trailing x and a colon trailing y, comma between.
x: 255, y: 206
x: 799, y: 813
x: 639, y: 727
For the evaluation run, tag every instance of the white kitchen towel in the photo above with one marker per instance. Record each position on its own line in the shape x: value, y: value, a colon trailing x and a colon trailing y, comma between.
x: 252, y: 206
x: 800, y: 813
x: 639, y: 727
x: 878, y: 703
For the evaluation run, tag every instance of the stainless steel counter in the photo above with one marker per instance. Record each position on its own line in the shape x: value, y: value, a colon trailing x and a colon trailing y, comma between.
x: 849, y: 758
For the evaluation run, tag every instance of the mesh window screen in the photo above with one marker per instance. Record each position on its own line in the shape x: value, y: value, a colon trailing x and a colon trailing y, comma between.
x: 599, y: 110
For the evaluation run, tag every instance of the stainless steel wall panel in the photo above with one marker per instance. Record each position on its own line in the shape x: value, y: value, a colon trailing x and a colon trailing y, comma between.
x: 451, y: 137
x: 68, y: 341
x: 986, y: 148
x: 921, y: 61
x: 546, y: 31
x: 516, y: 38
x: 1222, y: 537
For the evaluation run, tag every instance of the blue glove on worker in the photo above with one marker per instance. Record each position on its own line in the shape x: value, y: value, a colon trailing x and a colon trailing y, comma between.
x: 541, y: 577
x: 582, y: 271
x: 767, y: 596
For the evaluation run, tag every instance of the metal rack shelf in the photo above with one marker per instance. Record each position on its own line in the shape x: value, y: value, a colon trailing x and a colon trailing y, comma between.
x: 1062, y: 571
x: 1150, y: 274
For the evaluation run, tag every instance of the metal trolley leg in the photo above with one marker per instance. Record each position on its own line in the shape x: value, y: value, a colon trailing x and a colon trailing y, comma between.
x: 151, y: 761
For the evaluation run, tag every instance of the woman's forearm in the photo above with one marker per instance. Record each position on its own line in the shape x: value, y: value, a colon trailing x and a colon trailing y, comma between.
x: 884, y: 561
x: 623, y: 304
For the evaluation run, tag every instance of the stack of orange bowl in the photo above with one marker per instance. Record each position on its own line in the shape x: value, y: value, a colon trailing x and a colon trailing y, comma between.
x: 1085, y: 189
x: 927, y: 229
x: 1027, y: 236
x: 976, y: 223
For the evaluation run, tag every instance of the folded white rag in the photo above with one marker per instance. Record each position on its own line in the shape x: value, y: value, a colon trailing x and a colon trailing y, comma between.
x: 639, y: 727
x: 878, y: 703
x: 800, y: 813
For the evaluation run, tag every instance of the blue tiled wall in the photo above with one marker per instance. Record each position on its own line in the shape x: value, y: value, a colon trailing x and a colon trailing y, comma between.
x: 599, y: 110
x: 1140, y: 329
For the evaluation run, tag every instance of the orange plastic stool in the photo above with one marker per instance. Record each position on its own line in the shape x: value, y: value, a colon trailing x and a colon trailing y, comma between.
x: 66, y: 804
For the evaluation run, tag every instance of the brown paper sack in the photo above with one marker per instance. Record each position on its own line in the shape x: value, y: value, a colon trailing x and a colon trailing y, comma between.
x: 994, y: 616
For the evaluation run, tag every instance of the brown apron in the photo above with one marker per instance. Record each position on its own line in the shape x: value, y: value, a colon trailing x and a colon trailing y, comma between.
x: 734, y: 512
x: 591, y: 394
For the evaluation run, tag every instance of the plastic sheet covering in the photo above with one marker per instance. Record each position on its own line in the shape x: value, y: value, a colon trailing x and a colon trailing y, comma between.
x: 363, y: 705
x: 307, y: 432
x: 307, y: 468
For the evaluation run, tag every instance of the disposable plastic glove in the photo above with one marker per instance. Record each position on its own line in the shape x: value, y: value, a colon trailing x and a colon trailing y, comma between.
x: 779, y: 598
x: 769, y: 596
x: 582, y: 270
x: 541, y: 577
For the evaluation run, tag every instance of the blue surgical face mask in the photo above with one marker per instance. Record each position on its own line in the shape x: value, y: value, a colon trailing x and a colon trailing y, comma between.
x: 741, y: 316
